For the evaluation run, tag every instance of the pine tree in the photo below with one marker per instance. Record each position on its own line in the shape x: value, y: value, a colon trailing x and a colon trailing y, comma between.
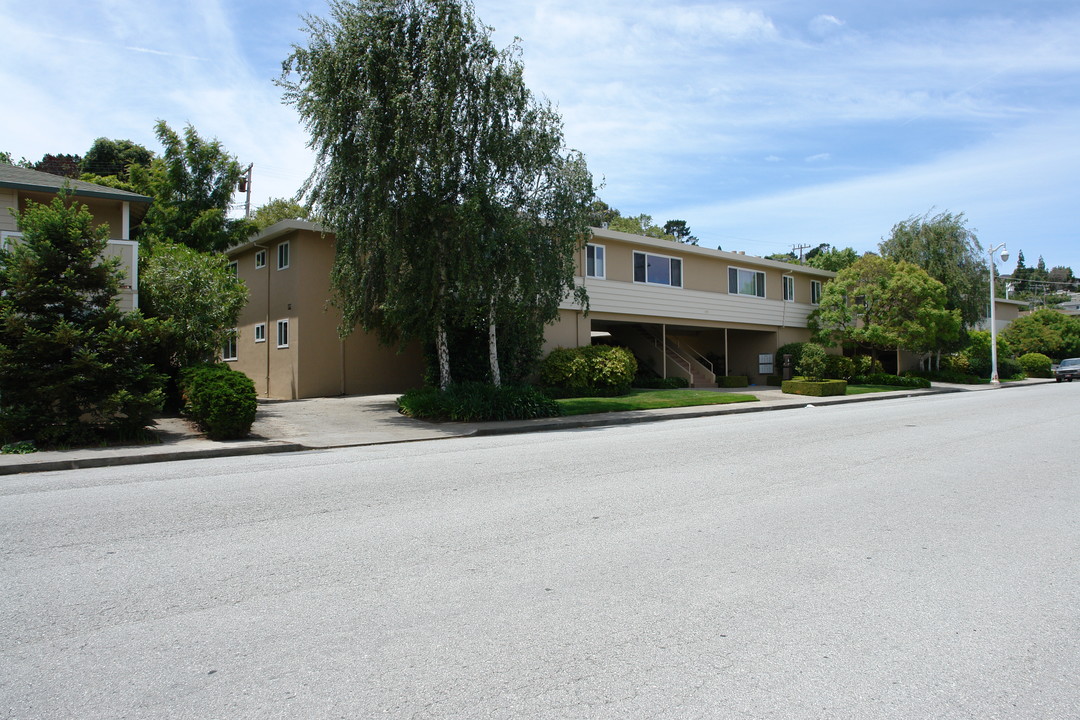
x: 71, y: 368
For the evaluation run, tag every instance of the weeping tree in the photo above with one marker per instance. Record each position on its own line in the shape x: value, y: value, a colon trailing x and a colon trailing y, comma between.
x: 443, y: 178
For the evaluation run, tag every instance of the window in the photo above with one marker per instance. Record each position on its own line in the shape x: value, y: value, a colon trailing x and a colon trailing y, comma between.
x: 260, y: 259
x: 228, y: 353
x: 260, y: 333
x: 283, y: 333
x: 746, y: 282
x: 594, y: 261
x: 657, y: 269
x: 789, y: 288
x: 234, y: 269
x: 283, y: 256
x: 815, y: 292
x: 6, y: 238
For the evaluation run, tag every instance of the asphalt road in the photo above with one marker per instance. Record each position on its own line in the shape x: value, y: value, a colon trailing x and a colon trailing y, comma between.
x: 910, y: 558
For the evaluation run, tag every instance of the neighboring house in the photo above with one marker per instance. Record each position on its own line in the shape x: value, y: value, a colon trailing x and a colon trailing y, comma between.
x: 1005, y: 311
x: 684, y: 310
x: 119, y: 209
x: 287, y: 340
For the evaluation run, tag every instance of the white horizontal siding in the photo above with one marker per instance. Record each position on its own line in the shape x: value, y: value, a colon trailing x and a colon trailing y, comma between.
x: 667, y: 303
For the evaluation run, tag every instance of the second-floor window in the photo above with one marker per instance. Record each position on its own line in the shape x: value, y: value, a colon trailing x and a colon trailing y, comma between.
x: 283, y: 256
x: 657, y: 269
x: 746, y: 282
x: 789, y: 288
x: 260, y: 259
x: 594, y: 261
x: 815, y: 292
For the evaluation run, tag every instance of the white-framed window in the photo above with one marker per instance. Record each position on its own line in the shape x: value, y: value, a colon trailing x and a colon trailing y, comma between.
x: 746, y: 282
x: 7, y: 236
x: 657, y: 269
x: 228, y: 352
x: 260, y: 333
x: 283, y: 255
x: 283, y: 333
x: 789, y: 288
x: 234, y: 268
x: 260, y: 259
x: 594, y: 261
x: 815, y: 292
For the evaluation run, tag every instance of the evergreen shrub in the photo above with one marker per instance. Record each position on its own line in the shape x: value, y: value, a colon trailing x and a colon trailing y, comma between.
x: 907, y: 381
x: 589, y: 371
x: 1036, y: 365
x: 814, y: 388
x: 220, y: 400
x: 477, y: 402
x: 813, y: 362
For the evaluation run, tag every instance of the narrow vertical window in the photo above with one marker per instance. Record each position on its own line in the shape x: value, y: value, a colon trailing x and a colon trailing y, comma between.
x: 594, y: 261
x: 260, y: 259
x: 789, y: 288
x: 815, y: 292
x: 283, y: 256
x: 233, y: 268
x: 228, y: 352
x: 283, y: 333
x: 260, y: 333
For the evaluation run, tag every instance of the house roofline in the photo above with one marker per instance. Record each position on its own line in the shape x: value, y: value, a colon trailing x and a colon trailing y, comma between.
x: 282, y: 227
x: 17, y: 178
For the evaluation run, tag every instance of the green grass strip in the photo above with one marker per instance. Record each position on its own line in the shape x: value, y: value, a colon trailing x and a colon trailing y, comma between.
x: 863, y: 389
x: 649, y: 400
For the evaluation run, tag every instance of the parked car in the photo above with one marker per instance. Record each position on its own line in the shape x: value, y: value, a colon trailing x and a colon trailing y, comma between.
x: 1067, y: 370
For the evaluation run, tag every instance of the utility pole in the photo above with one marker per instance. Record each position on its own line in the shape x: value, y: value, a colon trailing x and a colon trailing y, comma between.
x: 799, y: 249
x: 244, y: 186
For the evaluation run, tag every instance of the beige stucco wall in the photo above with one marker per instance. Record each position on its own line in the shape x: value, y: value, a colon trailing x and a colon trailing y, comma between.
x: 317, y: 362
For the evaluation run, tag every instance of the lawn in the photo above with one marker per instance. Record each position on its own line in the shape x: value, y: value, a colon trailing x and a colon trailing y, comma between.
x: 650, y: 399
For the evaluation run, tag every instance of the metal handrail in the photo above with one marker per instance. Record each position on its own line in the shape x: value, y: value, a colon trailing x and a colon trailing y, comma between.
x: 694, y: 352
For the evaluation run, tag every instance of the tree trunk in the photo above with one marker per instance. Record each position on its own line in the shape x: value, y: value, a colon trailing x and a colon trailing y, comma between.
x: 443, y: 350
x: 493, y: 348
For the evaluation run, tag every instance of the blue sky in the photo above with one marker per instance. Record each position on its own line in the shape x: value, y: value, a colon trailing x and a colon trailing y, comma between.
x: 763, y: 124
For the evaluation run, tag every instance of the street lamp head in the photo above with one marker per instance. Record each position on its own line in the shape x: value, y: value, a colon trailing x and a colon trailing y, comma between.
x: 1004, y: 256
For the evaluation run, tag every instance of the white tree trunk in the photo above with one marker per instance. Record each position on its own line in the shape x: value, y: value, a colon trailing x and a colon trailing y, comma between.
x: 493, y: 348
x: 443, y: 350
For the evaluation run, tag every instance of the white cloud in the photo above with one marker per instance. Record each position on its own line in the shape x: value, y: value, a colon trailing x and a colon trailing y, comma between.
x: 820, y: 157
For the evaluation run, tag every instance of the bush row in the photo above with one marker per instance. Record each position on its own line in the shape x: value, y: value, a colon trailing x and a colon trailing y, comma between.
x: 908, y: 381
x: 221, y: 401
x: 476, y: 401
x: 814, y: 388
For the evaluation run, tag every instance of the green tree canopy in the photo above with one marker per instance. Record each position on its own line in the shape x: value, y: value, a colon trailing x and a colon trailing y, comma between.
x: 884, y: 305
x: 197, y: 297
x: 192, y: 184
x: 438, y: 171
x: 831, y: 258
x: 71, y: 363
x: 113, y: 158
x: 949, y: 252
x: 277, y: 209
x: 1045, y: 331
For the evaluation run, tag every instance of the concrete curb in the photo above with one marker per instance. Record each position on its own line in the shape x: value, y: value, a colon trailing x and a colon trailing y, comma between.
x: 509, y: 428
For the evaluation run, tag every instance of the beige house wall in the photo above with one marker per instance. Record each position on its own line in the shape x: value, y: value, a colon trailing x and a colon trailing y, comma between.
x: 317, y: 363
x: 8, y: 202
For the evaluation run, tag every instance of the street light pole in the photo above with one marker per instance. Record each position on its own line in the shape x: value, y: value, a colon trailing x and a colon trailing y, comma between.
x: 993, y: 320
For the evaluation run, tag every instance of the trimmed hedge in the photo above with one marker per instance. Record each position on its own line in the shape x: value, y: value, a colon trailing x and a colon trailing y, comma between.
x: 907, y: 381
x: 823, y: 388
x: 477, y: 402
x: 732, y: 381
x: 589, y: 371
x: 221, y: 401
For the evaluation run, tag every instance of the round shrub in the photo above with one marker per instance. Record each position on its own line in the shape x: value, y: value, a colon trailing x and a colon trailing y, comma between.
x: 221, y: 401
x: 839, y: 367
x: 812, y: 363
x: 602, y: 370
x: 1036, y: 365
x: 795, y: 350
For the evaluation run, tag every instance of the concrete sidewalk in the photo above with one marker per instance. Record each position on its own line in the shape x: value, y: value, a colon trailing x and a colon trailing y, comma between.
x: 321, y: 423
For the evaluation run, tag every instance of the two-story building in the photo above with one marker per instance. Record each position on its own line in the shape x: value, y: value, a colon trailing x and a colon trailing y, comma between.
x: 119, y: 209
x: 684, y: 310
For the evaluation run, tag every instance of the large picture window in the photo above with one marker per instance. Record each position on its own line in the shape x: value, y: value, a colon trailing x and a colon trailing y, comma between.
x: 657, y: 269
x: 594, y: 261
x: 746, y: 282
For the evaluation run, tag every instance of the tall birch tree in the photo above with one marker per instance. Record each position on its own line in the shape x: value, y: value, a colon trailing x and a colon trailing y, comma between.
x: 440, y: 174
